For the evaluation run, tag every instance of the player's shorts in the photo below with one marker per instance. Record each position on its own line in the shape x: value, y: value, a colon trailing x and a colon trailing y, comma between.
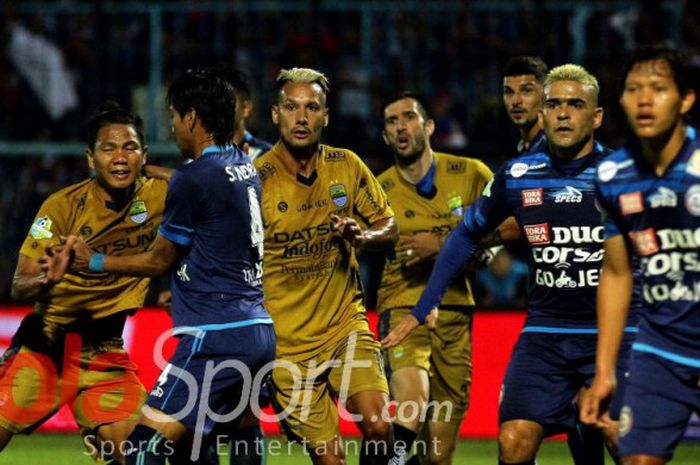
x: 444, y: 353
x: 97, y: 381
x: 305, y: 391
x: 661, y: 395
x: 546, y: 373
x: 213, y: 372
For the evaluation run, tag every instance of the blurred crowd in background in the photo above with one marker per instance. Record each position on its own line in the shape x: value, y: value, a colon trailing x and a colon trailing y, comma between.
x: 62, y: 59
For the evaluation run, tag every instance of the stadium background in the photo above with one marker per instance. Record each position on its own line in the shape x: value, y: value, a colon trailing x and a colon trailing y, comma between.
x: 61, y: 59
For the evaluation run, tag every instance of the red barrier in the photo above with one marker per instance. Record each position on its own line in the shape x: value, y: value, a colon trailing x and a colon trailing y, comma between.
x: 494, y: 334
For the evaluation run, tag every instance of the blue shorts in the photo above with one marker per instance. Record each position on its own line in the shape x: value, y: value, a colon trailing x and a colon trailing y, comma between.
x: 182, y: 390
x: 546, y: 373
x: 661, y: 395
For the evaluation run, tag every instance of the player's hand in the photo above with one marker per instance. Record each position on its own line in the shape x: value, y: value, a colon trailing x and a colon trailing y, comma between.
x: 399, y: 333
x: 414, y: 249
x: 595, y: 401
x: 165, y: 298
x: 431, y: 321
x: 157, y: 172
x: 56, y: 262
x: 349, y: 230
x: 82, y: 253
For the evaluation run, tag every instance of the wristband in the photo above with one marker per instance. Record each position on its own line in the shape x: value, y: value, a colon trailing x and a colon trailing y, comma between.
x: 97, y: 262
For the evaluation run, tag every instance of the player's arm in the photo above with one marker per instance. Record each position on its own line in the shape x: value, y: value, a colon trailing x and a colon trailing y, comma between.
x: 29, y: 282
x: 158, y: 172
x: 380, y: 235
x: 613, y: 300
x: 155, y: 262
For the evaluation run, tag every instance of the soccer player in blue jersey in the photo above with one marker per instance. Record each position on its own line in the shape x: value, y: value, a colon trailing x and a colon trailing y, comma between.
x: 523, y: 81
x: 550, y: 193
x: 650, y: 193
x: 212, y: 236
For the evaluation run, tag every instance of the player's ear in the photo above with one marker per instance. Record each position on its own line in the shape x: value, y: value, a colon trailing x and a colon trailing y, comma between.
x: 386, y: 139
x: 598, y: 117
x: 247, y: 109
x: 144, y: 159
x: 89, y: 154
x: 275, y: 113
x: 688, y: 101
x: 325, y: 117
x: 429, y: 127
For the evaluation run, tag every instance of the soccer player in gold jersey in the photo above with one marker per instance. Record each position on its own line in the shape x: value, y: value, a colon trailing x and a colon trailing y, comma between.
x: 70, y: 349
x: 320, y: 205
x: 430, y: 371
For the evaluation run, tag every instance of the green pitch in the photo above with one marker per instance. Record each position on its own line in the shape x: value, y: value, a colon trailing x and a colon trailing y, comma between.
x: 66, y: 449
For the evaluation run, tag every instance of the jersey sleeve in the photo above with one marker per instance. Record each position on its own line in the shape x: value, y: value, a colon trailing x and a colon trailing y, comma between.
x: 483, y: 173
x: 607, y: 213
x: 51, y: 222
x: 371, y: 203
x: 182, y: 206
x: 491, y: 208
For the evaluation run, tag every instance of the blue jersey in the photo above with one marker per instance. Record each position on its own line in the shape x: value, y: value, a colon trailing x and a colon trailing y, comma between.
x: 538, y: 144
x: 256, y: 147
x: 553, y: 201
x: 659, y: 217
x: 212, y: 210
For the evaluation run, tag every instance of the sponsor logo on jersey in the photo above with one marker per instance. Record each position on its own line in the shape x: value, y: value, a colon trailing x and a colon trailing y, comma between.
x: 625, y: 420
x: 456, y: 167
x: 537, y: 167
x: 306, y: 206
x: 138, y: 212
x: 86, y: 231
x: 518, y: 169
x: 537, y: 234
x: 692, y: 200
x: 339, y: 195
x: 631, y: 203
x: 607, y: 170
x: 693, y: 166
x: 282, y: 206
x: 663, y: 197
x: 568, y: 195
x: 387, y: 185
x: 266, y: 170
x: 41, y: 229
x: 644, y: 242
x: 532, y: 197
x: 335, y: 156
x: 409, y: 214
x: 182, y: 273
x: 454, y: 203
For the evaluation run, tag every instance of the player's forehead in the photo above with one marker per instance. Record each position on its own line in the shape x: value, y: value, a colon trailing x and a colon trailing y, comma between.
x: 650, y: 70
x: 401, y: 106
x: 117, y: 133
x: 302, y: 92
x: 521, y: 80
x: 566, y: 90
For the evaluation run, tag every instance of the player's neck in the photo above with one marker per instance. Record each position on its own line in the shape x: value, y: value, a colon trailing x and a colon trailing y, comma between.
x: 415, y: 169
x: 116, y: 197
x: 300, y: 160
x: 662, y: 150
x: 528, y: 134
x: 239, y: 135
x: 574, y: 152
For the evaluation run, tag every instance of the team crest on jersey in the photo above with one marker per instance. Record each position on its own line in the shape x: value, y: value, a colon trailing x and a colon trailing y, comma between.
x: 568, y: 195
x: 644, y: 242
x: 339, y: 195
x: 663, y: 197
x: 138, y: 212
x: 631, y: 203
x: 532, y: 197
x: 537, y: 234
x: 454, y: 203
x: 692, y: 200
x: 693, y: 166
x: 41, y: 229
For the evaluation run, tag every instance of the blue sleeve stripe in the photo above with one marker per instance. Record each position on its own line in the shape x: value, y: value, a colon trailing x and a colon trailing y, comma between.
x: 535, y: 183
x: 173, y: 237
x: 221, y: 326
x: 174, y: 226
x: 680, y: 359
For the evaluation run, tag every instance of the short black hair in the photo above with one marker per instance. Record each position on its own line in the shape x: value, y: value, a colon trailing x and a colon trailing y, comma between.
x: 237, y: 78
x: 526, y: 64
x: 211, y: 96
x: 110, y: 112
x: 423, y: 106
x: 680, y: 64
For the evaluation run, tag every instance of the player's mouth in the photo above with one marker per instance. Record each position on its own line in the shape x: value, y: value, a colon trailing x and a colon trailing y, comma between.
x: 645, y: 119
x: 403, y: 142
x: 121, y: 174
x: 300, y: 133
x: 564, y: 130
x: 517, y: 112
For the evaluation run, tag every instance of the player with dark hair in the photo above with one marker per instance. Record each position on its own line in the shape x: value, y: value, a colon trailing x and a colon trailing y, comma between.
x: 429, y: 191
x: 212, y: 236
x: 523, y: 86
x: 312, y: 194
x: 649, y: 192
x: 551, y: 196
x: 73, y: 338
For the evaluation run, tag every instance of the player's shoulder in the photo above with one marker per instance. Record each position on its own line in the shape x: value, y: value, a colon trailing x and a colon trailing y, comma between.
x: 616, y: 166
x: 267, y: 164
x: 153, y: 186
x: 388, y: 178
x: 70, y: 194
x: 339, y: 155
x: 457, y: 165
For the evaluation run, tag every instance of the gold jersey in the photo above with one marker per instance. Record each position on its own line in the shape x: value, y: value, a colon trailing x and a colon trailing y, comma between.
x: 80, y: 210
x: 310, y: 282
x: 459, y: 182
